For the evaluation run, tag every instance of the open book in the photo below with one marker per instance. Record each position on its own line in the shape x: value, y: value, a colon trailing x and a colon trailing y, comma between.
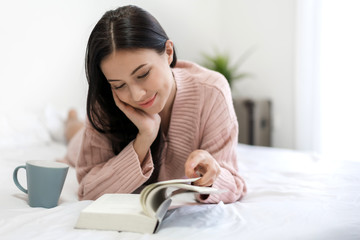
x: 136, y: 212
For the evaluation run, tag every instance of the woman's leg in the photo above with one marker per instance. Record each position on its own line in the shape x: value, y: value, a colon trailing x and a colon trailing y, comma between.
x: 72, y: 125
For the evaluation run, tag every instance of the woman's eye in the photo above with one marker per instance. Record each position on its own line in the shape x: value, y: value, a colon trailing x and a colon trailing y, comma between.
x: 121, y: 86
x: 144, y: 75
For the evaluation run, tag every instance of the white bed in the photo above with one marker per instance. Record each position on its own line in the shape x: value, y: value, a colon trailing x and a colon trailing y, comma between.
x: 291, y: 195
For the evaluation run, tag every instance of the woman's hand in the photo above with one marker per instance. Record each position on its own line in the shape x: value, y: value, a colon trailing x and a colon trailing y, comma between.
x: 200, y: 163
x: 148, y: 126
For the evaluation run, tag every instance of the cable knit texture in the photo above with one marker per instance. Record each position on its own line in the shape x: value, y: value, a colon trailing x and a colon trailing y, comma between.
x: 203, y: 117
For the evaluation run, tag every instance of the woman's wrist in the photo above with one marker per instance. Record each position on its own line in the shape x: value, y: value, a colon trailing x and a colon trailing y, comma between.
x: 142, y: 145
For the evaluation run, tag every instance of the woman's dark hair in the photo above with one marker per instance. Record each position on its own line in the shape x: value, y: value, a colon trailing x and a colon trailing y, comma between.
x: 127, y: 27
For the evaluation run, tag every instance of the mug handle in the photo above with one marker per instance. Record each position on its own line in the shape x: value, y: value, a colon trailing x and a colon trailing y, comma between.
x: 16, y: 181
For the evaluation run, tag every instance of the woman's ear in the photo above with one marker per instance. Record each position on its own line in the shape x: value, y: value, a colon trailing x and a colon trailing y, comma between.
x: 169, y: 50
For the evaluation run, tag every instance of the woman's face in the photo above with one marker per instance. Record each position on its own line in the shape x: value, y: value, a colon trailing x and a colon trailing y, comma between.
x: 141, y: 78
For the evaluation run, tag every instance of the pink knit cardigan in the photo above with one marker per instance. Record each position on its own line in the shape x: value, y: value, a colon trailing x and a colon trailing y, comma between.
x: 202, y: 117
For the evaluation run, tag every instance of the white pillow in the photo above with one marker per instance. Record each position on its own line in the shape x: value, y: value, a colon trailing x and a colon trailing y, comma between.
x: 22, y: 129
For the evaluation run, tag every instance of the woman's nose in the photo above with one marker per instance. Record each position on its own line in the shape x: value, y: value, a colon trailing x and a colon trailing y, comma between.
x: 137, y: 93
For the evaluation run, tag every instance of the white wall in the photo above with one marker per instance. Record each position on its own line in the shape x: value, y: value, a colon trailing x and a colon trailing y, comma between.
x: 43, y: 44
x: 269, y: 28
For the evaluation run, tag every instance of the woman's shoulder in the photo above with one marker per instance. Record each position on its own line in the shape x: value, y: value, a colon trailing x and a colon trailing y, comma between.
x: 95, y: 138
x: 201, y: 76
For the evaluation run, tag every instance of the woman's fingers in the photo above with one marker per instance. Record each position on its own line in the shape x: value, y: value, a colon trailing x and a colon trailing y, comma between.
x: 201, y: 164
x: 148, y: 125
x: 208, y: 174
x: 132, y: 113
x: 116, y: 99
x: 207, y: 178
x: 127, y: 110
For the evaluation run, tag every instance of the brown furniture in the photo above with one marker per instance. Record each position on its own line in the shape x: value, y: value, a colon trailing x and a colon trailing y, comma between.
x: 254, y: 118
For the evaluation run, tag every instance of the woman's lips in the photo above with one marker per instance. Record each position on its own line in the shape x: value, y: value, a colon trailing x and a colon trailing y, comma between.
x: 148, y: 103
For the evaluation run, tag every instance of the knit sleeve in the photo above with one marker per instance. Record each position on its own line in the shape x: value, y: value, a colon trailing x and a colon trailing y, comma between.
x: 219, y: 138
x: 99, y: 171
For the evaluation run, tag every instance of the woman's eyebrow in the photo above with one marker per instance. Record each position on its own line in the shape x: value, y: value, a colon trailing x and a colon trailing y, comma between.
x: 133, y: 72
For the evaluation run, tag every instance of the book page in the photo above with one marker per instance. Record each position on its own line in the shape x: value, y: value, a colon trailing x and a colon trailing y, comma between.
x: 116, y: 203
x: 145, y: 192
x: 155, y: 195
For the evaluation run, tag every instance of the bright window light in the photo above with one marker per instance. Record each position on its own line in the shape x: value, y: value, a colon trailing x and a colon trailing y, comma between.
x: 339, y: 76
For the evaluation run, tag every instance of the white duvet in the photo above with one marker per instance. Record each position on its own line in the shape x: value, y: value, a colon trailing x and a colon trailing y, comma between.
x: 291, y: 195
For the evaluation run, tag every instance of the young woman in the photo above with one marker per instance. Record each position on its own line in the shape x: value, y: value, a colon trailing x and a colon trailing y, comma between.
x: 150, y: 117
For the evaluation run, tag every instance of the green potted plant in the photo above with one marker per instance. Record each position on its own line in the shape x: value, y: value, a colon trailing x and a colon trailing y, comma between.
x: 221, y: 62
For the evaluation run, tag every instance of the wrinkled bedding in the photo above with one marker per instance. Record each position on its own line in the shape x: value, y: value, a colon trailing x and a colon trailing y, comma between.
x: 291, y: 195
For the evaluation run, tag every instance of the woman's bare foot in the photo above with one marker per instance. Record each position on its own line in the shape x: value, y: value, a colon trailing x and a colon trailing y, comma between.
x: 72, y: 125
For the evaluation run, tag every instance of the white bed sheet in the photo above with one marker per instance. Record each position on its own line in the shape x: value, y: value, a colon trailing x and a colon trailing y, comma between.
x: 291, y: 195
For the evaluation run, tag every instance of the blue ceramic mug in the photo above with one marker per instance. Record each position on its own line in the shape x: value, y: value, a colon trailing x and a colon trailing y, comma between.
x: 45, y: 180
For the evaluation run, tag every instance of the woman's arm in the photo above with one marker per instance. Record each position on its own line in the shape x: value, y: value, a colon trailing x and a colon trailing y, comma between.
x: 99, y: 171
x: 148, y: 126
x: 216, y: 163
x: 223, y: 149
x: 217, y: 159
